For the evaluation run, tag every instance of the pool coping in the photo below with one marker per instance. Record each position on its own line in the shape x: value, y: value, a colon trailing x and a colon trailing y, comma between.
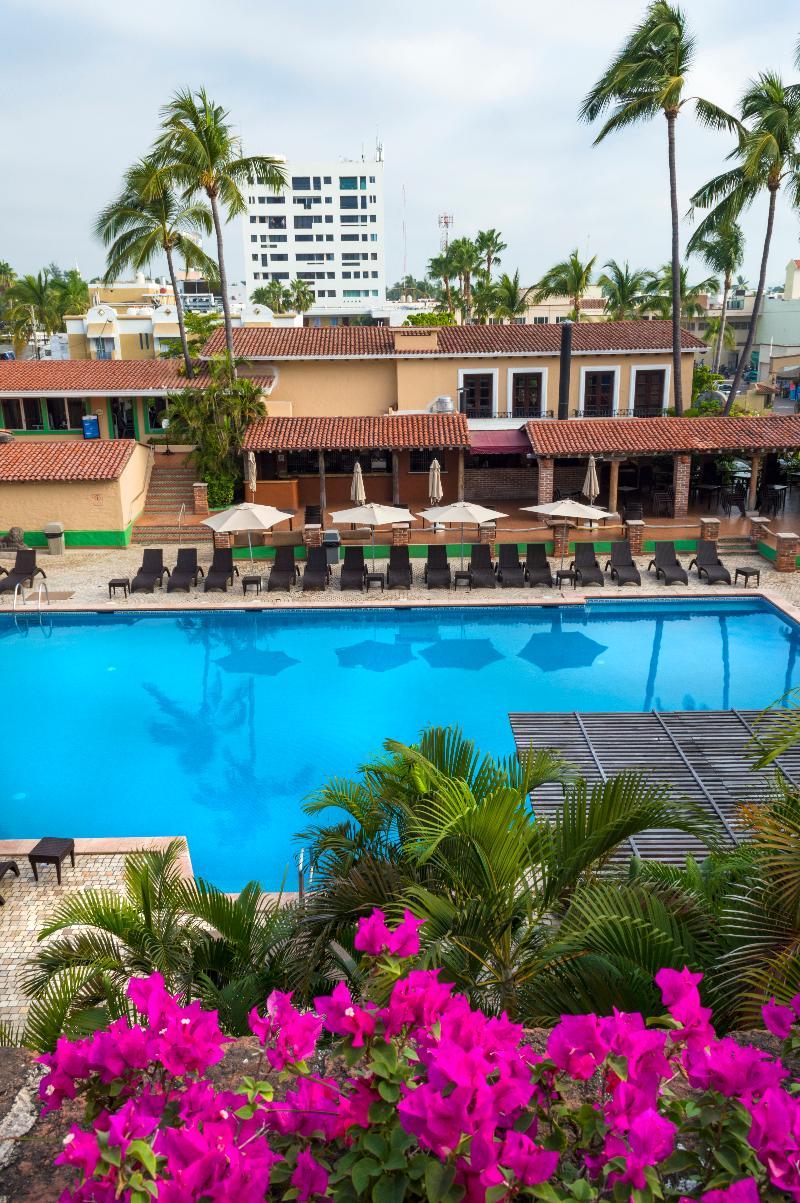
x: 99, y: 845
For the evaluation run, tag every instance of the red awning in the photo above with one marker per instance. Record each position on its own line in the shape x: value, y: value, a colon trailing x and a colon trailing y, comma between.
x: 500, y: 442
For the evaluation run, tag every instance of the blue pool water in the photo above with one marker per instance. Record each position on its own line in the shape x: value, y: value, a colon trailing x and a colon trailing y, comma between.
x: 217, y: 725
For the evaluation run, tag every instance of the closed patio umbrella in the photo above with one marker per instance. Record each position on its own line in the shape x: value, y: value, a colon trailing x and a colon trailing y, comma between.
x: 371, y: 514
x: 358, y: 493
x: 250, y: 469
x: 461, y: 513
x: 435, y: 483
x: 591, y: 487
x: 247, y: 517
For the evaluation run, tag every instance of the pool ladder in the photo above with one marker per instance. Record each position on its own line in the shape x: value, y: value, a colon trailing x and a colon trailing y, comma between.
x: 18, y: 594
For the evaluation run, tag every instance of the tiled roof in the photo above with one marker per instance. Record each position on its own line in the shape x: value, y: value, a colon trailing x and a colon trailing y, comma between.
x: 593, y: 303
x: 394, y: 433
x: 106, y: 377
x: 354, y: 342
x: 64, y: 459
x: 653, y: 436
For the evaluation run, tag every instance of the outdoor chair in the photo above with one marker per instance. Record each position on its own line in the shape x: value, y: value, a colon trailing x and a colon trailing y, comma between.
x: 221, y: 572
x: 22, y: 573
x: 729, y: 498
x: 437, y: 567
x: 354, y: 570
x: 186, y: 571
x: 623, y: 569
x: 667, y: 564
x: 510, y: 572
x: 537, y: 566
x: 662, y: 505
x: 317, y: 572
x: 7, y: 866
x: 481, y: 568
x: 708, y: 563
x: 285, y: 570
x: 587, y: 569
x: 151, y: 571
x: 400, y: 575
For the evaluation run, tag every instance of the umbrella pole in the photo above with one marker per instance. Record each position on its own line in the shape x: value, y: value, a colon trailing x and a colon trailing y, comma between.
x: 462, y: 546
x: 250, y: 545
x: 373, y: 549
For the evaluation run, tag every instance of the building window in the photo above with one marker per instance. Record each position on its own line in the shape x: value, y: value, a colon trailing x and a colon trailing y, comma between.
x: 277, y: 223
x: 526, y: 395
x: 648, y: 393
x: 304, y: 238
x: 326, y: 179
x: 303, y: 223
x: 363, y: 181
x: 144, y: 342
x: 539, y: 320
x: 420, y: 460
x: 347, y: 182
x: 64, y: 414
x: 279, y: 258
x: 348, y: 202
x: 254, y: 237
x: 329, y: 217
x: 276, y: 200
x: 349, y: 219
x: 301, y: 183
x: 280, y: 276
x: 154, y: 414
x: 103, y: 347
x: 372, y: 179
x: 598, y: 395
x: 349, y: 237
x: 477, y: 395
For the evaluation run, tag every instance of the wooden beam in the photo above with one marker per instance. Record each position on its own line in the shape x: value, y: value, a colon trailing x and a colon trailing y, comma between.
x: 460, y: 488
x: 395, y: 478
x: 323, y: 497
x: 613, y: 483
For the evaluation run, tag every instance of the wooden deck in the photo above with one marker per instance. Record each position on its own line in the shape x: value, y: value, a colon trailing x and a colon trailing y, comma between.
x: 703, y: 755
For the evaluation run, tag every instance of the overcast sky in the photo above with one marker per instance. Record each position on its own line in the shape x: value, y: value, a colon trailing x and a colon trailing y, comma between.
x: 475, y: 103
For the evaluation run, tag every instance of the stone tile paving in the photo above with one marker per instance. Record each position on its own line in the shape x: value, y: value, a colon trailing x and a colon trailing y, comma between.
x: 28, y: 906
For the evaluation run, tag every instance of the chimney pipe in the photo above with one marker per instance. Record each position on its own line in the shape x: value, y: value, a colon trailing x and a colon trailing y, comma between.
x: 563, y: 376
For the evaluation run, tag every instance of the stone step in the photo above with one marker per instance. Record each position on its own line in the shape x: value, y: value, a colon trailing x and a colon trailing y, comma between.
x: 153, y: 536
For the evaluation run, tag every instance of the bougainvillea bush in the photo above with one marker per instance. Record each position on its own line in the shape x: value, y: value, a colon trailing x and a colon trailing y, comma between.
x: 426, y: 1099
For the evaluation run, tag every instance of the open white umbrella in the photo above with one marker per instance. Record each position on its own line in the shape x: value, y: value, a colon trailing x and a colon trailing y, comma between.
x: 358, y: 493
x: 248, y: 517
x: 568, y: 513
x: 591, y: 486
x: 461, y: 513
x: 435, y: 483
x: 371, y: 514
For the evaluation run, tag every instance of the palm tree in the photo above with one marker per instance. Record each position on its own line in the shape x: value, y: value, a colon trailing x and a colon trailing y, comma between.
x: 70, y: 294
x: 302, y: 297
x: 660, y: 294
x: 623, y: 290
x: 490, y: 247
x: 722, y: 250
x: 442, y: 267
x: 7, y: 275
x: 227, y: 951
x: 273, y: 295
x: 570, y: 278
x: 768, y: 159
x: 30, y: 307
x: 742, y: 282
x: 511, y: 299
x: 148, y: 219
x: 648, y: 76
x: 449, y: 833
x: 202, y: 154
x: 466, y: 261
x: 484, y: 299
x: 721, y: 335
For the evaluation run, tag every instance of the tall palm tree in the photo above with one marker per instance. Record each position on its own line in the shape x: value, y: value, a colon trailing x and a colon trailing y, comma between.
x: 623, y: 290
x: 442, y: 267
x: 149, y: 219
x: 722, y: 249
x: 70, y: 294
x: 30, y: 307
x: 466, y: 260
x: 767, y: 160
x: 484, y: 299
x: 648, y: 76
x: 7, y: 275
x: 273, y: 295
x: 511, y: 299
x: 490, y: 247
x: 202, y: 154
x: 718, y: 332
x: 302, y: 296
x: 570, y: 278
x: 660, y: 294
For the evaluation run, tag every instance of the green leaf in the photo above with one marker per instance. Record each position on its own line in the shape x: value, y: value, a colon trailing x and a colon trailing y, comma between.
x: 362, y: 1171
x: 379, y: 1113
x: 374, y: 1143
x: 438, y: 1179
x: 141, y: 1150
x: 389, y: 1091
x: 545, y: 1192
x: 391, y: 1188
x: 727, y: 1158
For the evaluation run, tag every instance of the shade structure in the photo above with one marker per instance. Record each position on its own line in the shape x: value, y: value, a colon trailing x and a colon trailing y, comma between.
x: 375, y: 655
x: 371, y: 513
x: 246, y: 518
x: 435, y: 482
x: 358, y: 493
x: 568, y: 513
x: 591, y: 486
x: 250, y: 471
x: 461, y: 513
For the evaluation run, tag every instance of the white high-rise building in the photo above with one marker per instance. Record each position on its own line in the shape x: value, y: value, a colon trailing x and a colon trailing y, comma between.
x: 327, y: 228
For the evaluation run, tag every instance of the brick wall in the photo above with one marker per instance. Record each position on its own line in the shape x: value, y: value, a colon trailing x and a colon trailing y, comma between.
x: 681, y: 476
x: 569, y: 479
x: 487, y: 483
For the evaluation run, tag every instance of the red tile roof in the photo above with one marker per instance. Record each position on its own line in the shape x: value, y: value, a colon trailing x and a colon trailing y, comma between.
x: 653, y: 436
x: 356, y: 342
x: 106, y: 377
x: 64, y: 459
x: 394, y: 433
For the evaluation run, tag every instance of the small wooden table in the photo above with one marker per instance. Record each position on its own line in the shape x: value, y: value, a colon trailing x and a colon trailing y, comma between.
x: 52, y: 850
x: 462, y: 577
x: 374, y: 578
x: 119, y: 582
x: 251, y: 582
x: 747, y: 573
x: 566, y: 574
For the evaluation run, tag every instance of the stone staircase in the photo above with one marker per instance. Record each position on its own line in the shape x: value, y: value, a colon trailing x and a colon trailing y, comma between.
x: 735, y: 545
x: 170, y: 488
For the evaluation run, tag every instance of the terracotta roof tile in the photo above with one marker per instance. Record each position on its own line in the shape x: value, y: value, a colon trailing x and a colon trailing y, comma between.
x: 100, y: 376
x: 353, y: 342
x: 394, y: 433
x: 64, y: 459
x: 652, y: 436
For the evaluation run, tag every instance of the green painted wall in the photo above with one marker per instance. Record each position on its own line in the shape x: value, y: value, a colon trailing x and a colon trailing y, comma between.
x: 82, y: 538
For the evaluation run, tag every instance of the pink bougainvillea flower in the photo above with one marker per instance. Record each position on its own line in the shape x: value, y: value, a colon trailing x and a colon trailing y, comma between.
x: 682, y: 1000
x: 81, y: 1150
x: 577, y: 1046
x: 404, y: 939
x: 310, y: 1178
x: 743, y: 1191
x: 343, y: 1017
x: 372, y: 934
x: 418, y: 999
x: 733, y: 1069
x: 311, y: 1109
x: 778, y: 1019
x: 651, y: 1139
x: 288, y: 1035
x: 529, y: 1163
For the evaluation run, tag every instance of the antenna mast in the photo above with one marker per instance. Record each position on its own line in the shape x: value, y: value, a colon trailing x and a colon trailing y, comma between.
x: 445, y: 222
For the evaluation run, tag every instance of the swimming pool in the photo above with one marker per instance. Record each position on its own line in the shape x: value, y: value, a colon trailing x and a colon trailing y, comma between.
x: 216, y: 725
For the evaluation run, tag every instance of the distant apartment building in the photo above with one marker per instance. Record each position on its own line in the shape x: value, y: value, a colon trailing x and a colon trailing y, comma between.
x: 326, y: 228
x: 558, y: 309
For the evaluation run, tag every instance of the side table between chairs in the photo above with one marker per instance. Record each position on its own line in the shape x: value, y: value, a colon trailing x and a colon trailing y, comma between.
x: 119, y: 582
x: 52, y: 850
x: 747, y: 573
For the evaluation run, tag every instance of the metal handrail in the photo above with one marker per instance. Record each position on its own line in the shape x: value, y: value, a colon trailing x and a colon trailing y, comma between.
x: 17, y: 590
x: 181, y: 516
x: 42, y: 585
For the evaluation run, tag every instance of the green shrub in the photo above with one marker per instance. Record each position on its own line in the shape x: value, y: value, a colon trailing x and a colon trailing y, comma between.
x: 220, y: 492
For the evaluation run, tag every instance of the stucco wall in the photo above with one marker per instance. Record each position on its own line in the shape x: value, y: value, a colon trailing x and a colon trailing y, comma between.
x: 341, y: 388
x: 133, y: 484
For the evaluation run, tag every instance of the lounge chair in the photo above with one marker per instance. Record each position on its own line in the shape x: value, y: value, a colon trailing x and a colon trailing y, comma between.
x: 186, y: 571
x: 708, y: 563
x: 22, y: 573
x: 284, y: 569
x: 151, y: 571
x: 7, y: 866
x: 354, y: 570
x: 400, y: 571
x: 510, y: 572
x: 537, y: 565
x: 587, y: 569
x: 481, y: 568
x: 437, y: 567
x: 623, y: 569
x: 221, y: 572
x: 317, y: 570
x: 667, y: 565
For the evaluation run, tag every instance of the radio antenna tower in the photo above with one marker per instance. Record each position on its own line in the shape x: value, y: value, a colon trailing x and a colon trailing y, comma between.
x: 445, y: 222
